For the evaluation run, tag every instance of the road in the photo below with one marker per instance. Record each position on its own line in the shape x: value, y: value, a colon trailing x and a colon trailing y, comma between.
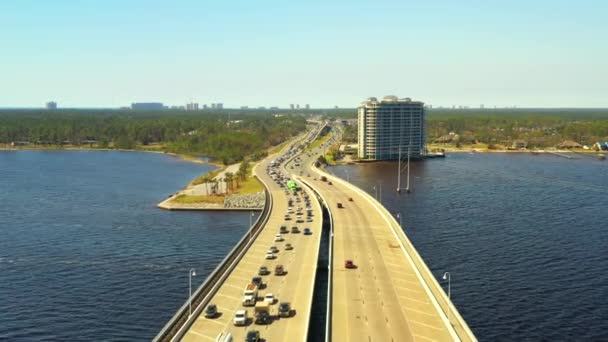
x: 389, y: 296
x: 295, y: 287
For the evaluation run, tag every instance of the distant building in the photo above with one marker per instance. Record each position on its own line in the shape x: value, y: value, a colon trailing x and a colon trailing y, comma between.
x: 336, y: 107
x: 219, y: 106
x: 205, y: 106
x: 52, y: 105
x: 274, y: 108
x: 244, y: 107
x: 390, y: 126
x: 147, y: 106
x: 292, y: 106
x: 307, y: 106
x: 192, y: 106
x: 297, y: 106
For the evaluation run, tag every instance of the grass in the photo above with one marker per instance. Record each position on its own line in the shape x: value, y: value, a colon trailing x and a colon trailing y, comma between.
x: 250, y: 186
x: 278, y: 148
x: 319, y: 141
x: 190, y: 199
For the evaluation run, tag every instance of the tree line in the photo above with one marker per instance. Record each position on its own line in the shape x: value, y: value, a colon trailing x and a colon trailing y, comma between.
x: 215, y: 135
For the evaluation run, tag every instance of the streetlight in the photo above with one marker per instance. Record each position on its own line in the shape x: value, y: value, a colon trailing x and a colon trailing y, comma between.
x: 375, y: 192
x: 251, y: 224
x: 191, y: 273
x: 399, y: 217
x: 347, y: 176
x: 447, y: 276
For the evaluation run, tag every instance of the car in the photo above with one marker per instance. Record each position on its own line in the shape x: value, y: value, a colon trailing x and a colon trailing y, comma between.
x: 211, y: 311
x: 279, y: 270
x: 263, y: 318
x: 349, y: 264
x: 340, y: 205
x: 270, y: 255
x: 252, y: 336
x: 257, y: 281
x: 299, y: 220
x: 308, y: 220
x: 224, y: 336
x: 307, y: 231
x: 278, y: 238
x: 284, y: 309
x: 287, y: 218
x: 288, y: 247
x: 240, y: 318
x: 269, y: 298
x: 329, y: 183
x: 263, y: 270
x: 350, y: 199
x: 295, y: 229
x: 284, y: 229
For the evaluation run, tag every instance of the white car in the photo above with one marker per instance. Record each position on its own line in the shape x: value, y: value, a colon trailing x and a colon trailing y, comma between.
x: 269, y: 298
x: 240, y: 317
x: 270, y: 255
x: 278, y: 238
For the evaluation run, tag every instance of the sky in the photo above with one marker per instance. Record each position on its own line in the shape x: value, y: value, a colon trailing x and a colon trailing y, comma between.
x: 110, y: 53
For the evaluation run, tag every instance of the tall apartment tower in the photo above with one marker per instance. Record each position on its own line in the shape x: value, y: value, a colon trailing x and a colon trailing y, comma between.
x: 389, y: 126
x: 52, y: 105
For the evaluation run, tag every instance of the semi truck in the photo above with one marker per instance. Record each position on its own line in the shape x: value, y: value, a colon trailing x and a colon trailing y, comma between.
x: 250, y: 295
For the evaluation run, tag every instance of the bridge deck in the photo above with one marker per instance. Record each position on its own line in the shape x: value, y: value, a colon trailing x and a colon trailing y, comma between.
x: 295, y: 287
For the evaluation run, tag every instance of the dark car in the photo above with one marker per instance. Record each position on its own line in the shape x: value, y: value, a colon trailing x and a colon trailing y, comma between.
x: 279, y: 270
x: 340, y: 205
x: 307, y: 231
x: 295, y: 229
x: 257, y: 281
x: 349, y: 264
x: 263, y: 318
x: 284, y: 309
x: 211, y: 311
x: 284, y: 229
x: 252, y: 336
x: 263, y: 271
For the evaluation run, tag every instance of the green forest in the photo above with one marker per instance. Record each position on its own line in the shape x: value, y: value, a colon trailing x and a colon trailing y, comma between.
x: 215, y: 135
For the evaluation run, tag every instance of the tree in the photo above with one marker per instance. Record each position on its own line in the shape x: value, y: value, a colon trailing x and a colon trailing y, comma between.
x: 228, y: 177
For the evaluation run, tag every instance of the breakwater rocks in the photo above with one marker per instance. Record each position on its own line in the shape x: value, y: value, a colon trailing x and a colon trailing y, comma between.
x: 248, y: 201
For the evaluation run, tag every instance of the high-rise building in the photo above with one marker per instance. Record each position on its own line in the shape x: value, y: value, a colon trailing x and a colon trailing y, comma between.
x: 307, y: 106
x: 219, y: 106
x: 389, y: 126
x: 147, y: 106
x: 52, y: 105
x: 192, y: 106
x: 292, y: 106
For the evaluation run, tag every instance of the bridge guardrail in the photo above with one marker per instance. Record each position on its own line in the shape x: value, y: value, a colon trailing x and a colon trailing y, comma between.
x: 175, y: 328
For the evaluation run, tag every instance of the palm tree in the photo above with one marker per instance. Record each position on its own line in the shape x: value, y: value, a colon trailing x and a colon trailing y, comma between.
x: 228, y: 178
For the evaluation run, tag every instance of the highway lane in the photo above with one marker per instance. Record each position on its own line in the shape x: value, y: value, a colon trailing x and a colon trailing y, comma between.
x: 295, y: 287
x: 387, y: 297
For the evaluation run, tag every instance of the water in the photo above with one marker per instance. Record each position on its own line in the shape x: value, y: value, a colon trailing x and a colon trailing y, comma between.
x: 85, y: 254
x: 524, y: 236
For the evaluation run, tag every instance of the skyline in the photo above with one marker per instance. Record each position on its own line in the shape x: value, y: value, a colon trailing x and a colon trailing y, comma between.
x: 110, y: 54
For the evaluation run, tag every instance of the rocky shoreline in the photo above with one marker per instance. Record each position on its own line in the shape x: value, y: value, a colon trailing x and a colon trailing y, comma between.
x: 254, y: 201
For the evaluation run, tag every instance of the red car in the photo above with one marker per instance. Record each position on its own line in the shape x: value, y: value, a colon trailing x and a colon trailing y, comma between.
x: 349, y: 264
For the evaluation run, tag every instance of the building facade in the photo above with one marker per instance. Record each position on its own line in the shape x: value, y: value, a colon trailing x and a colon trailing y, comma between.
x: 52, y: 105
x: 147, y: 106
x: 389, y: 126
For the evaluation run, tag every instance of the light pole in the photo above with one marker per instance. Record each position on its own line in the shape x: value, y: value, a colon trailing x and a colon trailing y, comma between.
x: 251, y: 224
x: 400, y: 224
x: 347, y: 176
x: 191, y: 273
x: 375, y: 192
x: 447, y: 276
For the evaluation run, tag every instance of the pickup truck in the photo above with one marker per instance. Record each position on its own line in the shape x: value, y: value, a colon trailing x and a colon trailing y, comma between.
x: 250, y: 295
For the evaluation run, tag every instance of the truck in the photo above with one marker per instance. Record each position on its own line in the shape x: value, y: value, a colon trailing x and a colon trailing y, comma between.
x: 250, y: 295
x: 261, y: 307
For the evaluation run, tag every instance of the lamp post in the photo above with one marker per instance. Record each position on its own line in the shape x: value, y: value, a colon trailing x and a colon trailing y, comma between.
x: 447, y: 276
x: 375, y: 192
x: 251, y: 215
x: 399, y: 217
x: 191, y: 273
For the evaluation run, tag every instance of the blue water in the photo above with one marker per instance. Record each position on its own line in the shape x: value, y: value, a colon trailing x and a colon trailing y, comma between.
x: 524, y: 236
x: 85, y: 254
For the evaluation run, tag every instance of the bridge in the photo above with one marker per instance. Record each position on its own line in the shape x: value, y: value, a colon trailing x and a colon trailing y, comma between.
x: 389, y: 295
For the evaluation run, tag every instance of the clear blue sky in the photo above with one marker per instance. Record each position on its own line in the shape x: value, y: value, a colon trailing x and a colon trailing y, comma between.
x: 90, y: 53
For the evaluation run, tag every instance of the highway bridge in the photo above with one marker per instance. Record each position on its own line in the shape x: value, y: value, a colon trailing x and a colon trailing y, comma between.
x: 389, y: 295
